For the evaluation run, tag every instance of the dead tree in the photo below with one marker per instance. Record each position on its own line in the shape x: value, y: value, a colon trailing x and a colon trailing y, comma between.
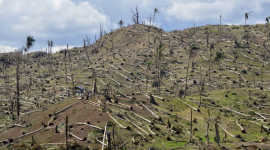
x: 66, y: 131
x: 135, y: 15
x: 17, y: 62
x: 66, y: 63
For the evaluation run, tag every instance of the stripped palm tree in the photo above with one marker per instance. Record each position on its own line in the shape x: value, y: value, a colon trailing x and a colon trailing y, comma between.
x: 29, y: 43
x: 267, y: 20
x: 192, y: 48
x: 155, y: 12
x: 211, y: 48
x: 148, y: 68
x: 218, y: 58
x: 160, y: 55
x: 121, y: 23
x: 246, y: 18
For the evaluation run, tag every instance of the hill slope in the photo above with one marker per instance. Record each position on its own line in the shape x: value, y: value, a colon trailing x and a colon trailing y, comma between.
x: 153, y: 89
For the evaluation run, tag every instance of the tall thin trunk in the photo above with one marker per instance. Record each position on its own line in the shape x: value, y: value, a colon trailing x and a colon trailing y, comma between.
x: 187, y: 76
x: 66, y: 62
x: 190, y: 139
x: 200, y: 87
x: 209, y: 65
x: 66, y: 130
x: 18, y: 85
x: 217, y: 132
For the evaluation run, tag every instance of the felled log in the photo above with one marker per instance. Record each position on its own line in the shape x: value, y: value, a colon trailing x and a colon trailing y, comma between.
x: 238, y: 136
x: 67, y: 107
x: 104, y: 136
x: 101, y: 81
x: 158, y: 97
x: 113, y: 80
x: 96, y: 127
x: 130, y: 107
x: 242, y: 129
x: 118, y: 122
x: 113, y: 104
x: 78, y: 137
x: 188, y: 105
x: 137, y: 126
x: 150, y: 111
x: 152, y: 131
x: 236, y: 111
x: 141, y: 117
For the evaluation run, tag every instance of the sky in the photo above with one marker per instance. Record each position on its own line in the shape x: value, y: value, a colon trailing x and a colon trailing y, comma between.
x: 70, y: 21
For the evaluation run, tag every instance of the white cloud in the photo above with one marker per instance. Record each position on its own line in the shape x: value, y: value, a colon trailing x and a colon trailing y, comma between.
x: 197, y: 10
x: 50, y: 19
x: 6, y: 49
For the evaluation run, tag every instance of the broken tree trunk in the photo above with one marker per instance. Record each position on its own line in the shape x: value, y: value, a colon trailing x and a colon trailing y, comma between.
x: 242, y: 129
x: 118, y: 122
x: 104, y: 135
x: 152, y: 100
x: 227, y: 131
x: 188, y: 104
x: 136, y: 126
x: 150, y: 110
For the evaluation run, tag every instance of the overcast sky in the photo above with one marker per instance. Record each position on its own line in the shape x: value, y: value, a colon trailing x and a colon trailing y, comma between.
x: 69, y: 21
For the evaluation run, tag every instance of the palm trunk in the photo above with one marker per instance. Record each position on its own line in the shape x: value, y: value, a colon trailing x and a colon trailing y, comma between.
x: 66, y: 63
x: 18, y: 86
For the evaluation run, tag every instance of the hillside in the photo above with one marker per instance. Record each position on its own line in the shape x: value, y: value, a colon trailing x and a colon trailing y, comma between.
x: 146, y: 88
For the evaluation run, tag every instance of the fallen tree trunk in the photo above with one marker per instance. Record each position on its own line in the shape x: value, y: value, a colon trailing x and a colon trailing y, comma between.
x: 188, y: 104
x: 77, y: 137
x: 101, y: 81
x: 141, y: 117
x: 118, y: 122
x: 226, y: 131
x: 158, y: 97
x: 242, y: 129
x: 113, y: 80
x: 150, y: 110
x: 96, y: 127
x: 137, y: 126
x: 67, y: 107
x: 260, y: 125
x: 117, y: 105
x: 236, y: 111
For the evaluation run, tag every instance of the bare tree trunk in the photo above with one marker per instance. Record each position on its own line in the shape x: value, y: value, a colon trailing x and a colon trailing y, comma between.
x: 207, y: 128
x: 73, y: 93
x: 18, y: 85
x: 190, y: 139
x: 66, y: 62
x: 217, y: 132
x: 66, y: 132
x: 186, y: 78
